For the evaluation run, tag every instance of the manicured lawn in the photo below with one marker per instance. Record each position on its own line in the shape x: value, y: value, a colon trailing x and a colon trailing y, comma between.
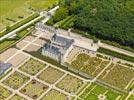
x: 20, y: 9
x: 50, y: 75
x: 4, y: 93
x: 15, y: 80
x: 42, y: 4
x: 17, y: 97
x: 32, y: 66
x: 70, y: 84
x: 94, y: 91
x: 6, y: 44
x: 34, y: 89
x: 54, y: 95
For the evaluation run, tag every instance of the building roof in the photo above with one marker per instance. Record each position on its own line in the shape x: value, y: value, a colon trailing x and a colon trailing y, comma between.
x: 62, y: 41
x: 4, y: 67
x: 44, y: 27
x: 51, y: 48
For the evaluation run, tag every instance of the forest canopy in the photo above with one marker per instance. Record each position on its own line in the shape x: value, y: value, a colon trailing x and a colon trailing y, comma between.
x: 106, y: 19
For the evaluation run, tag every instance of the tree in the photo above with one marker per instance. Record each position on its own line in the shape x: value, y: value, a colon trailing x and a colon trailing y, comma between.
x: 61, y: 14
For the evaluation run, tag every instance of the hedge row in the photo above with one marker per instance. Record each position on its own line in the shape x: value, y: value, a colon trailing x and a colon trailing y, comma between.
x: 116, y: 54
x: 15, y: 26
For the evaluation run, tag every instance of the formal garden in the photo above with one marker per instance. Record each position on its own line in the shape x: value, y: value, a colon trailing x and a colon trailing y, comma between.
x: 16, y: 80
x: 50, y: 75
x: 34, y: 89
x: 32, y: 66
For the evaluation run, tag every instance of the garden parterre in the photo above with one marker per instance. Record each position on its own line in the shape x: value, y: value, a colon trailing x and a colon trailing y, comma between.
x: 70, y: 84
x: 32, y: 66
x: 53, y: 94
x: 51, y: 75
x: 4, y: 93
x: 15, y: 80
x: 17, y: 97
x: 98, y: 92
x: 89, y: 65
x: 63, y: 83
x: 34, y: 89
x: 115, y: 74
x: 118, y: 75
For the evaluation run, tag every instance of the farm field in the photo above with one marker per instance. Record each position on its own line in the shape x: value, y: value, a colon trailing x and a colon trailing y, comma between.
x: 12, y: 11
x: 89, y: 65
x: 50, y: 75
x: 98, y: 92
x: 15, y: 80
x: 54, y: 94
x: 32, y: 66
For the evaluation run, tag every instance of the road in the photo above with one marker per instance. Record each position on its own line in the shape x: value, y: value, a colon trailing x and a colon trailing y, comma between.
x: 29, y: 23
x: 113, y: 48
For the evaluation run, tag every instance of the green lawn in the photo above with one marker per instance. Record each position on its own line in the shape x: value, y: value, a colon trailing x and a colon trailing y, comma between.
x: 42, y: 4
x: 8, y: 43
x: 20, y: 9
x: 93, y: 92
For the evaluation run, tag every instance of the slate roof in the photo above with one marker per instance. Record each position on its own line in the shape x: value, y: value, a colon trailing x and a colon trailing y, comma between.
x: 62, y: 41
x: 4, y: 67
x: 51, y: 49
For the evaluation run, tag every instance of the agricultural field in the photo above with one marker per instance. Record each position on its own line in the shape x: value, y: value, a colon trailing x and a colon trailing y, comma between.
x: 15, y: 80
x: 50, y: 75
x: 70, y: 84
x: 54, y: 94
x: 32, y: 66
x: 98, y: 92
x: 34, y: 89
x: 4, y: 93
x: 17, y: 97
x: 89, y: 65
x: 12, y: 11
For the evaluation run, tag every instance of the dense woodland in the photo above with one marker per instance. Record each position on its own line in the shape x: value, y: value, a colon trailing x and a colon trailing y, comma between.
x: 106, y: 19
